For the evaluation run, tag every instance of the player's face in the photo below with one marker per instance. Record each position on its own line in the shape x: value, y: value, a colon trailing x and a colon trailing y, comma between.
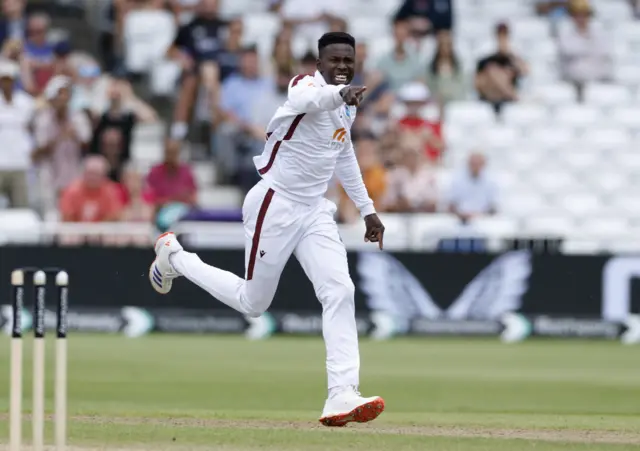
x: 337, y: 64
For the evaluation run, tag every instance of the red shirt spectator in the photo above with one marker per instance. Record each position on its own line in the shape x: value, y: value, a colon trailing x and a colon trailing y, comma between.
x: 171, y: 180
x: 93, y: 197
x: 415, y: 96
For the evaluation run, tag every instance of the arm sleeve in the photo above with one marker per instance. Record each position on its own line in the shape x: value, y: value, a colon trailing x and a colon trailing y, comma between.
x: 348, y: 172
x: 306, y: 96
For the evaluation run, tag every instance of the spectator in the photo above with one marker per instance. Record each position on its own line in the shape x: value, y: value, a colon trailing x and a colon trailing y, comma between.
x: 373, y: 174
x: 415, y: 97
x: 62, y: 64
x: 229, y: 57
x: 264, y: 107
x: 196, y: 49
x: 147, y: 32
x: 16, y: 114
x: 172, y: 181
x: 184, y: 10
x: 61, y: 137
x: 411, y: 185
x: 282, y: 59
x: 13, y: 24
x: 12, y: 51
x: 137, y: 201
x: 402, y: 65
x: 308, y: 63
x: 110, y: 33
x: 585, y: 50
x: 426, y: 16
x: 554, y: 9
x: 473, y: 192
x: 445, y: 75
x: 498, y: 75
x: 92, y: 197
x: 311, y: 19
x: 114, y: 132
x: 39, y: 53
x: 237, y: 139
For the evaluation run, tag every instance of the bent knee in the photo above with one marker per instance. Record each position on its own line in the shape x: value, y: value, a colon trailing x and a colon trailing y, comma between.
x: 256, y: 306
x: 337, y: 291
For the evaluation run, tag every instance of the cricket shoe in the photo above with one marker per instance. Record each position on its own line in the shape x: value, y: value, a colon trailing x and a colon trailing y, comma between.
x: 348, y: 406
x: 161, y: 272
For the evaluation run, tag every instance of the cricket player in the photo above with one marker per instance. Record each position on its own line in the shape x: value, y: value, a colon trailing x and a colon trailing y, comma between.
x: 308, y: 139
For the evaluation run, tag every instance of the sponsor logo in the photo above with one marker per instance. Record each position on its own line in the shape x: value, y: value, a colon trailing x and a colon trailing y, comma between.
x: 391, y: 288
x: 617, y: 275
x: 339, y: 135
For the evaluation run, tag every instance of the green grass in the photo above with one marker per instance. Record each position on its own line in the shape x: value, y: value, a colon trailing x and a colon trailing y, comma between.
x: 225, y: 393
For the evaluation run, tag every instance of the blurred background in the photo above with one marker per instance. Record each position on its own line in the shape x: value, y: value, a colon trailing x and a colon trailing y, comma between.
x: 498, y: 139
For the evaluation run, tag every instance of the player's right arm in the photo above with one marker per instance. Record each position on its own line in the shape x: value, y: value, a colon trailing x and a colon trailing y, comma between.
x: 307, y: 96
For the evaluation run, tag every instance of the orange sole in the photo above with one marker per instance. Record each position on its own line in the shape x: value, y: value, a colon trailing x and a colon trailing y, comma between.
x: 162, y: 236
x: 362, y: 414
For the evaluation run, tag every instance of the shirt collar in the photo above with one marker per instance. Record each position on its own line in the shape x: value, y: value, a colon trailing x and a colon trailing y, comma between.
x: 320, y: 79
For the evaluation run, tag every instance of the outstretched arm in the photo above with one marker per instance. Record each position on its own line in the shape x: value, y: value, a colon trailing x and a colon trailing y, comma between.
x: 307, y: 96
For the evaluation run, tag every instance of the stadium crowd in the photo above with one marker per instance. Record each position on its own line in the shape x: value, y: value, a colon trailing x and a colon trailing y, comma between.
x: 68, y: 117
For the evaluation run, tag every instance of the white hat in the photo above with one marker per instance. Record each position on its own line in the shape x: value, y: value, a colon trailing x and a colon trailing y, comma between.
x: 414, y: 92
x: 55, y: 85
x: 9, y: 69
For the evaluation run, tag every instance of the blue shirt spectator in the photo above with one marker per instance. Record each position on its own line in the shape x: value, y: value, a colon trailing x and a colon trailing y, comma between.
x: 241, y: 90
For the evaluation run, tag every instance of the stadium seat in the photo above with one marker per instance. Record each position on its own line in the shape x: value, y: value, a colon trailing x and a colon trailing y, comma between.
x: 552, y: 137
x: 613, y: 11
x: 497, y: 136
x: 219, y: 197
x: 629, y: 159
x: 19, y: 226
x: 530, y: 29
x: 549, y: 226
x: 521, y: 204
x: 627, y: 201
x: 465, y: 113
x: 426, y: 230
x: 494, y: 226
x: 579, y: 204
x: 606, y: 95
x: 604, y: 227
x: 612, y: 138
x: 626, y: 116
x: 164, y: 77
x: 555, y: 93
x: 577, y: 116
x: 260, y: 26
x: 524, y: 114
x: 606, y: 181
x: 368, y: 26
x: 627, y: 74
x: 551, y: 181
x: 147, y: 35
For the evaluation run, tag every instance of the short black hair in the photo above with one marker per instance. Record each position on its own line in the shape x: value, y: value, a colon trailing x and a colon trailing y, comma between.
x: 335, y: 37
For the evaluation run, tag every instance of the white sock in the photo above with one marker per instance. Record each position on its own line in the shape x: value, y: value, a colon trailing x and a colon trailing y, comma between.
x: 223, y: 285
x: 335, y: 391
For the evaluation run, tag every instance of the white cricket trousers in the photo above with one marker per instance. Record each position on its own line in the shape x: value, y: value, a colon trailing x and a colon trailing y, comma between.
x: 276, y: 227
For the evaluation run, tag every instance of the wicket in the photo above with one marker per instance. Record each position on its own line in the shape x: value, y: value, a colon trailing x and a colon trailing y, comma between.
x: 18, y: 282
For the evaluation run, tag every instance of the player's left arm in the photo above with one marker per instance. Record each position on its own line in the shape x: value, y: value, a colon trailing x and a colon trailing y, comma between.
x: 348, y: 172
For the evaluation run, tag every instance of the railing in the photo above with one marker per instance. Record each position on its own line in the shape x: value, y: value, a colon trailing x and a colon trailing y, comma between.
x: 409, y: 233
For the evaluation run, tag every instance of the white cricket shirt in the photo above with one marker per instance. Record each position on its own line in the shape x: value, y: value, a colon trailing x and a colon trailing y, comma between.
x: 308, y: 140
x: 17, y: 143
